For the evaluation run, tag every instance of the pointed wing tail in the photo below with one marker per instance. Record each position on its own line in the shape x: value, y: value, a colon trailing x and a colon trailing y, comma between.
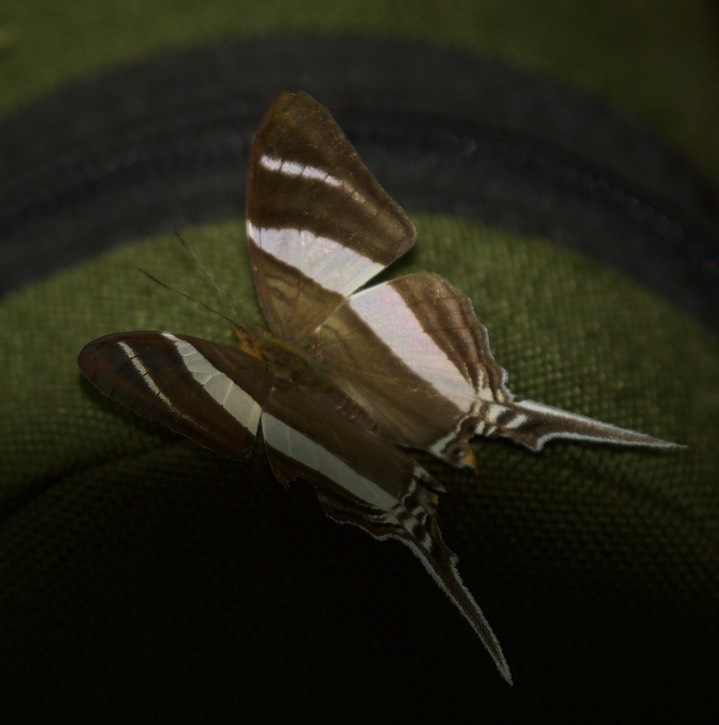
x: 533, y: 424
x: 441, y: 563
x: 415, y: 525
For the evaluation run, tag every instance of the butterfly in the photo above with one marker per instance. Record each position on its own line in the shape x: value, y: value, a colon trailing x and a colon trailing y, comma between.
x: 347, y: 380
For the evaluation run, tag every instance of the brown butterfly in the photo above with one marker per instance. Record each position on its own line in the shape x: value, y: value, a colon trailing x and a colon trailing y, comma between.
x: 346, y: 380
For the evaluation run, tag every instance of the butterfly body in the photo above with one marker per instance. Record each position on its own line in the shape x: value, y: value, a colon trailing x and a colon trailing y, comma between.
x: 347, y: 380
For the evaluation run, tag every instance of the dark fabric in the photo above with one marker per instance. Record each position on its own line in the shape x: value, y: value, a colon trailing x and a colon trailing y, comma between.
x: 142, y: 578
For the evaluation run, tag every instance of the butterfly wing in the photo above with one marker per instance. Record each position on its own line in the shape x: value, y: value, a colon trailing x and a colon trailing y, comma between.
x: 414, y: 353
x: 363, y: 480
x: 319, y: 225
x: 210, y: 393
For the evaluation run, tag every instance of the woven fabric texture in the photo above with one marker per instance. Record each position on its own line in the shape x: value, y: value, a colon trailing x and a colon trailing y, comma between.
x: 141, y: 576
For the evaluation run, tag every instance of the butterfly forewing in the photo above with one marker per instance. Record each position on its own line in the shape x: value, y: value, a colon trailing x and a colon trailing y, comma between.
x: 319, y: 225
x: 210, y: 393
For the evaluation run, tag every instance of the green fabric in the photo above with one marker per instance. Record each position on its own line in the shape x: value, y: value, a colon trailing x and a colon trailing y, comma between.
x: 106, y: 519
x: 657, y: 60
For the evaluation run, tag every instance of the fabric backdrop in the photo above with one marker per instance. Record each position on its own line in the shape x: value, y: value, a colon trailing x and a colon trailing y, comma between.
x: 561, y: 167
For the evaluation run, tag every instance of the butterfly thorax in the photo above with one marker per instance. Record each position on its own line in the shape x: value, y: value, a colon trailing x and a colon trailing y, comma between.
x: 290, y: 365
x: 287, y: 362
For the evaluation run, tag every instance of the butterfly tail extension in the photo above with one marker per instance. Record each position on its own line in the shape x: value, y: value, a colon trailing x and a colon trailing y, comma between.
x: 412, y: 520
x: 533, y: 424
x: 427, y: 544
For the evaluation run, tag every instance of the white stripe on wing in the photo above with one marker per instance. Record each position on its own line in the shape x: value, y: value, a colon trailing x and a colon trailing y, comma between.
x: 304, y: 450
x: 297, y: 169
x: 223, y: 390
x: 137, y: 363
x: 331, y: 264
x: 389, y: 317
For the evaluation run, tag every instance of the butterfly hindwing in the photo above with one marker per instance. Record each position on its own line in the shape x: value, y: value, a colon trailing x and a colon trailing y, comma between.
x: 363, y: 480
x: 413, y: 351
x: 388, y: 347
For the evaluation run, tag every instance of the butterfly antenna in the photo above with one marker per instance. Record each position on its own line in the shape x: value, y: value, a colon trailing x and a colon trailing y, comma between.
x: 187, y: 297
x: 208, y: 276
